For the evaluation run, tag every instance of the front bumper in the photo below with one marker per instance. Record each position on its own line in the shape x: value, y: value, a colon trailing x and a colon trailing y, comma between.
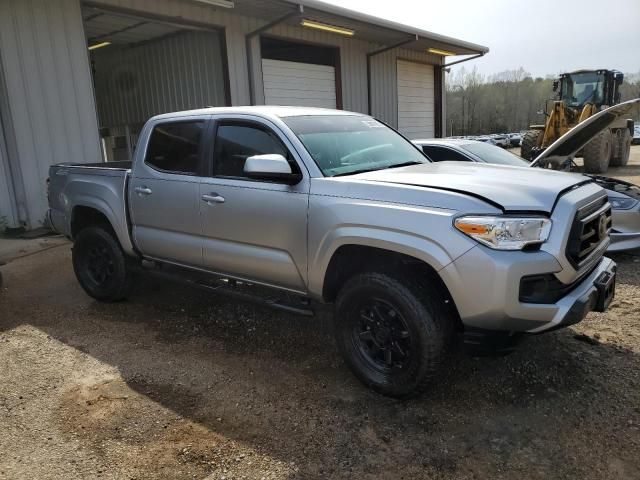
x: 485, y: 285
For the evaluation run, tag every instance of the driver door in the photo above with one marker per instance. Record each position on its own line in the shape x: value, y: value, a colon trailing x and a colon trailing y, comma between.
x: 255, y: 230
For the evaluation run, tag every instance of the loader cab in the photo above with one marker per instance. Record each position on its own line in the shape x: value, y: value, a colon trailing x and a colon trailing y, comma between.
x: 598, y: 87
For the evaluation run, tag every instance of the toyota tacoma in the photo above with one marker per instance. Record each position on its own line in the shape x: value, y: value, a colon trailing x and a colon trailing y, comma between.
x: 303, y: 206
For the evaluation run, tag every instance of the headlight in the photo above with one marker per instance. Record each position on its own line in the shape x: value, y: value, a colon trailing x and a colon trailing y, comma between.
x: 505, y: 233
x: 622, y: 203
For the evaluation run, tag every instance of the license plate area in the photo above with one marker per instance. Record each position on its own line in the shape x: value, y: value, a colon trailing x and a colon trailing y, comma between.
x: 606, y: 286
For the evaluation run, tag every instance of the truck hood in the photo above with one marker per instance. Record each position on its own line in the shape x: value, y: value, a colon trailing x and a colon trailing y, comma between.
x: 566, y: 147
x: 509, y: 188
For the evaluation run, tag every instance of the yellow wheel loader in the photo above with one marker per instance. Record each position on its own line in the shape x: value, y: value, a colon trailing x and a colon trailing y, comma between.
x: 578, y: 96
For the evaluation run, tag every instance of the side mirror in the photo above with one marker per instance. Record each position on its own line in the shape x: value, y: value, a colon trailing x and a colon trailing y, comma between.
x: 271, y: 167
x: 555, y: 85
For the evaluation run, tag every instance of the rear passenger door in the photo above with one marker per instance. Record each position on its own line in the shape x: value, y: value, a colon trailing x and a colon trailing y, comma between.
x: 164, y: 192
x: 253, y: 229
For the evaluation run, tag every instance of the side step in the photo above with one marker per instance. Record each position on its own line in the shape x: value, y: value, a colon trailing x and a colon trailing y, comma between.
x: 269, y: 297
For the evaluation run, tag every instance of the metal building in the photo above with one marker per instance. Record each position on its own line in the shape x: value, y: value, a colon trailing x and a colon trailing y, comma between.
x: 79, y: 78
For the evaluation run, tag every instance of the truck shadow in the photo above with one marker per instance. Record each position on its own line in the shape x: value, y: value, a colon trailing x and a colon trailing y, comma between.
x: 227, y: 379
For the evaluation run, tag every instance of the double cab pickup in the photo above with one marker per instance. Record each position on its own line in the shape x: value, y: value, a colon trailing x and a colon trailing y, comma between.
x: 323, y: 206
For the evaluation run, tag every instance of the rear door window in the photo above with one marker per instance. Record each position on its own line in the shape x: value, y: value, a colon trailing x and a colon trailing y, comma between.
x: 441, y: 154
x: 175, y: 147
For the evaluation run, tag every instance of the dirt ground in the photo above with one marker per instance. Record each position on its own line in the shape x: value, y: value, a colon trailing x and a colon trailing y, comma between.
x: 178, y: 384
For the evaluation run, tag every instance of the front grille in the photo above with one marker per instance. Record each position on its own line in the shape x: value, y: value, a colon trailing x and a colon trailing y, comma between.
x: 589, y: 231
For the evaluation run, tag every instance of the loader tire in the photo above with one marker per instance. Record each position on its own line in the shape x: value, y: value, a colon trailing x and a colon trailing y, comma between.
x: 624, y: 149
x: 529, y: 142
x: 597, y: 153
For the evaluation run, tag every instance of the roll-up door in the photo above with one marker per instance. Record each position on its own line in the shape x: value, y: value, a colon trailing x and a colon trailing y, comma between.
x: 297, y: 83
x: 416, y: 100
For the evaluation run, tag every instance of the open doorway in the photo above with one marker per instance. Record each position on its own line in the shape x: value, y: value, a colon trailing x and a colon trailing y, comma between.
x: 143, y: 66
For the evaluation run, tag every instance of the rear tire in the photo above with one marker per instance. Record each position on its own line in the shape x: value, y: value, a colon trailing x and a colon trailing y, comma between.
x: 529, y: 142
x: 393, y: 337
x: 624, y: 149
x: 100, y: 265
x: 597, y: 153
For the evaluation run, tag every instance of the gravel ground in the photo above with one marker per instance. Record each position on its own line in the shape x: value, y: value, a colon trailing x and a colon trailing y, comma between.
x: 177, y: 384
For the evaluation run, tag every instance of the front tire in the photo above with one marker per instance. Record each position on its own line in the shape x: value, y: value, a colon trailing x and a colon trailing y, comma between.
x: 393, y: 337
x: 100, y: 265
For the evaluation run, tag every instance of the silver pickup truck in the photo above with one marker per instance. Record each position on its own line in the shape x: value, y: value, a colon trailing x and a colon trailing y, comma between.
x: 310, y: 205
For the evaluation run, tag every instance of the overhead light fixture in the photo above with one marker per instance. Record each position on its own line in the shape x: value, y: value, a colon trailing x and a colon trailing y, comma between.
x: 327, y: 28
x: 218, y: 3
x: 99, y: 45
x: 437, y: 51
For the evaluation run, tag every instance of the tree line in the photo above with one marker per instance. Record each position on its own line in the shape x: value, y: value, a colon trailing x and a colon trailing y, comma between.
x: 508, y: 101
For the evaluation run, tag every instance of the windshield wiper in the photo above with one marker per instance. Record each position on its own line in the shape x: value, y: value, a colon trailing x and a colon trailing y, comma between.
x: 405, y: 164
x: 355, y: 172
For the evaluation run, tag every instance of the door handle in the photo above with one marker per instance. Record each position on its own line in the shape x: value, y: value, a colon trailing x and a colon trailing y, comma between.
x: 143, y: 191
x: 213, y: 198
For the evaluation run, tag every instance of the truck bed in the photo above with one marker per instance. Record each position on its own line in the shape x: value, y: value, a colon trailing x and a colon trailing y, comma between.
x: 102, y: 186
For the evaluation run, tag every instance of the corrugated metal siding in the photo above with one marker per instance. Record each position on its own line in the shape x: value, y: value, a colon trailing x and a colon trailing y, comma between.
x: 50, y: 99
x: 352, y: 51
x: 179, y: 72
x: 234, y: 26
x: 7, y: 207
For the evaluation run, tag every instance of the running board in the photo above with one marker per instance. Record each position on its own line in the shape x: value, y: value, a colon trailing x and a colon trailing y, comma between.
x: 229, y: 287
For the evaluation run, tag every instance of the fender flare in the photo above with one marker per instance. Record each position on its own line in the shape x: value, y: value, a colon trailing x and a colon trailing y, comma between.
x: 415, y: 246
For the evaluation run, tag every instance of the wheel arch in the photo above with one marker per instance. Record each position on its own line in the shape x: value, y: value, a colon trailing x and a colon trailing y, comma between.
x: 352, y: 258
x: 95, y: 212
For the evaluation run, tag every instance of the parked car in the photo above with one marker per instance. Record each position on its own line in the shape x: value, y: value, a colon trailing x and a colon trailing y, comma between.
x: 501, y: 140
x: 315, y: 205
x: 623, y: 196
x: 636, y: 135
x: 515, y: 139
x: 485, y: 139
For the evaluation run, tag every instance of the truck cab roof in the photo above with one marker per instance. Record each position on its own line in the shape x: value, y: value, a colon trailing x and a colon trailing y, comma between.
x: 266, y: 111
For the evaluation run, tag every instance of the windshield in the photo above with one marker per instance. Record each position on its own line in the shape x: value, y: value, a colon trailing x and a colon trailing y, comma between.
x: 492, y: 154
x: 349, y: 144
x: 580, y: 88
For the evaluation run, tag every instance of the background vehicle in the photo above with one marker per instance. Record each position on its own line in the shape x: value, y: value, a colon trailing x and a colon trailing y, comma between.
x: 501, y: 140
x: 623, y: 196
x: 582, y: 94
x: 515, y: 139
x: 636, y: 135
x: 331, y: 206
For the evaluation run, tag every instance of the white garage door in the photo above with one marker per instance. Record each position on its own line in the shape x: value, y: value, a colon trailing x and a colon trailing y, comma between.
x: 295, y: 83
x: 415, y: 100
